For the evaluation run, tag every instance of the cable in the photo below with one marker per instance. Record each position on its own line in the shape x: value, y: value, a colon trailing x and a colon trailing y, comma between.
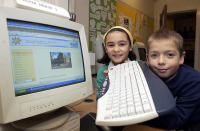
x: 84, y: 99
x: 84, y: 112
x: 88, y: 114
x: 71, y: 108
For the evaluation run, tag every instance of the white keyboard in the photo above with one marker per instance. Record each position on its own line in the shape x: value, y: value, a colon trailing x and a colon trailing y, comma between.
x: 125, y: 97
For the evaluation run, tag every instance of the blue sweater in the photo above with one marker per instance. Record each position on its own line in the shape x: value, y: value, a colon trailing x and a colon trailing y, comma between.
x: 185, y: 87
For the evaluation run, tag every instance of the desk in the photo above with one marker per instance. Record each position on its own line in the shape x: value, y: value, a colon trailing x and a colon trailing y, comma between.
x: 92, y: 107
x: 87, y: 107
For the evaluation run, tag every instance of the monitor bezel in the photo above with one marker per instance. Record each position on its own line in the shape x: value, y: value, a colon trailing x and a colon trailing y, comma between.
x: 14, y: 108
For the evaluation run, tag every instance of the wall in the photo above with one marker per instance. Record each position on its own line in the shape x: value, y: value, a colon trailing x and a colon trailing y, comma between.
x: 82, y: 15
x: 143, y: 6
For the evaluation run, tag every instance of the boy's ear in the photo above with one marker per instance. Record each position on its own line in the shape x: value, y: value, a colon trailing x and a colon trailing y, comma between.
x: 147, y: 58
x: 181, y: 61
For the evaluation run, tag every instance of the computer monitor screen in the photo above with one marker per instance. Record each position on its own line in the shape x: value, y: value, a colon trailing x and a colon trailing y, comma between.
x: 42, y: 56
x: 44, y: 62
x: 142, y: 53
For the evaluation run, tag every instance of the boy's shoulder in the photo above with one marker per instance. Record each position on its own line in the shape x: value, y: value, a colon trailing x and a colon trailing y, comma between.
x: 189, y: 70
x: 185, y: 74
x: 186, y: 78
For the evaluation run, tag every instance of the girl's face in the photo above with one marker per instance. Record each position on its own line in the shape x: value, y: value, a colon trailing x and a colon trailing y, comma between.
x: 117, y: 47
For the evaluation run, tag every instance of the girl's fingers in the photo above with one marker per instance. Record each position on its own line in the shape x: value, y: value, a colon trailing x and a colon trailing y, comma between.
x: 105, y: 72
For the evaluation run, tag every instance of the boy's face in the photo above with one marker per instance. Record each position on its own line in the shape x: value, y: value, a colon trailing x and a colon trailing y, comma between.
x: 164, y: 58
x: 117, y: 47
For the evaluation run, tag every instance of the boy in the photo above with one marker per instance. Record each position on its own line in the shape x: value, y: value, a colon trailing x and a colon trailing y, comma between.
x: 165, y: 57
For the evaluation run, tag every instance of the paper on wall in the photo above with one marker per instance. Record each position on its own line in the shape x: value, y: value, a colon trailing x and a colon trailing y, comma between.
x: 126, y: 22
x: 92, y: 23
x: 141, y: 27
x: 136, y: 28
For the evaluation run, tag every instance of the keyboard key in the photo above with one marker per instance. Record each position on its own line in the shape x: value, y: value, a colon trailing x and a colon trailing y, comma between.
x: 115, y: 109
x: 107, y: 115
x: 147, y: 108
x: 131, y: 111
x: 122, y: 106
x: 108, y: 107
x: 130, y: 103
x: 139, y: 110
x: 138, y: 104
x: 115, y: 114
x: 123, y: 112
x: 145, y: 101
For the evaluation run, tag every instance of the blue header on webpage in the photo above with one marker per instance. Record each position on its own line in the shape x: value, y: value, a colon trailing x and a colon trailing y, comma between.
x: 54, y: 85
x: 40, y: 27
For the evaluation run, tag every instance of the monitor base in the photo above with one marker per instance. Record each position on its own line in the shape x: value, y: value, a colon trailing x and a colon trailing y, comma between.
x: 47, y: 121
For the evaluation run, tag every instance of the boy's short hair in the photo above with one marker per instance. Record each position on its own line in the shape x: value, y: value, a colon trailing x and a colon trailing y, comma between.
x: 167, y: 34
x: 105, y: 59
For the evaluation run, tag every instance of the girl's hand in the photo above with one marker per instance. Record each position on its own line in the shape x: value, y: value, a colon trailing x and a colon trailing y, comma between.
x: 105, y: 72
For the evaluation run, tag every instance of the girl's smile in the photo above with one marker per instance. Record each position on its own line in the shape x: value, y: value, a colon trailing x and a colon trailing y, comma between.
x: 117, y: 55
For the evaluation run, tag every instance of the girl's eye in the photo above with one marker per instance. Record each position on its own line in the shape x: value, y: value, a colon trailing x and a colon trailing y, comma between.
x: 110, y: 45
x: 122, y: 44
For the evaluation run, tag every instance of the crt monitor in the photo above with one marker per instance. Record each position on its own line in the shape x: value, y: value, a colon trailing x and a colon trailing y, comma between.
x: 44, y: 63
x: 140, y: 51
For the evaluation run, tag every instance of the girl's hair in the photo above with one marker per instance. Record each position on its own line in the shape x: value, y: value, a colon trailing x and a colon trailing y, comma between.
x: 105, y: 59
x: 167, y: 34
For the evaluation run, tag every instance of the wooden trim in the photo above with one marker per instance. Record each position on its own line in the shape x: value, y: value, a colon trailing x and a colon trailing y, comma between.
x: 163, y: 18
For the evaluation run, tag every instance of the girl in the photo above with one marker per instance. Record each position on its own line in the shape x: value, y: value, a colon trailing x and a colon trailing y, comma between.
x: 118, y: 43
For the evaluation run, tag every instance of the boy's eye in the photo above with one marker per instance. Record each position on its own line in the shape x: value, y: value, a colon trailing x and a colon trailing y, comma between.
x: 170, y: 55
x: 154, y: 55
